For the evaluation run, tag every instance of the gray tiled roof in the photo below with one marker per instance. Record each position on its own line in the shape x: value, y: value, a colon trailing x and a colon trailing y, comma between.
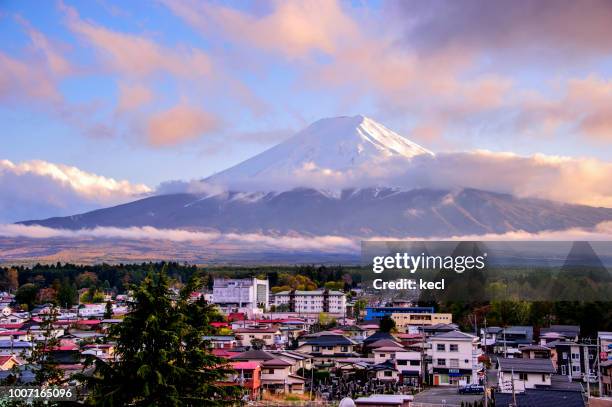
x: 520, y: 365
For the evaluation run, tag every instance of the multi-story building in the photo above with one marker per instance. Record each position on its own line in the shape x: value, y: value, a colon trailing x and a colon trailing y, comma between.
x: 409, y: 366
x: 241, y: 295
x: 403, y: 321
x: 454, y: 358
x: 507, y: 341
x: 573, y: 359
x: 327, y: 349
x: 605, y: 361
x: 376, y: 313
x: 312, y: 301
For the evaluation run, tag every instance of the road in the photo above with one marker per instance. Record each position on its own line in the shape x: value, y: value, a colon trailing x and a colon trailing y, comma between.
x: 445, y: 396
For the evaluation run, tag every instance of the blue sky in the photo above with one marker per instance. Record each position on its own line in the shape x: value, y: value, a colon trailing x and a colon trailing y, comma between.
x: 180, y: 89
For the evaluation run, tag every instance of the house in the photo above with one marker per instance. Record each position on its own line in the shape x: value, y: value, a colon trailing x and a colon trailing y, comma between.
x: 374, y: 338
x: 7, y: 362
x: 606, y: 377
x: 385, y: 353
x: 15, y: 348
x: 385, y: 371
x: 327, y: 301
x: 248, y: 375
x: 518, y: 374
x: 327, y: 348
x: 559, y: 393
x: 409, y: 365
x: 559, y: 332
x: 104, y: 351
x: 454, y: 358
x: 271, y: 337
x: 534, y: 352
x: 572, y: 359
x: 509, y: 339
x: 221, y: 341
x: 276, y: 374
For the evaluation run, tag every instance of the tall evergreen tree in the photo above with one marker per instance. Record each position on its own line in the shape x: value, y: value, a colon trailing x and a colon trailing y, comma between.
x: 161, y: 357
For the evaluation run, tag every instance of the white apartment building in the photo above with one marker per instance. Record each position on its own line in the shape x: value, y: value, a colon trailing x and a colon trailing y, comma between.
x: 238, y: 294
x: 454, y: 357
x: 316, y: 301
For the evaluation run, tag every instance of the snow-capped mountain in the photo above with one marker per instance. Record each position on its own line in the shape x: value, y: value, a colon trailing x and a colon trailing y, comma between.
x: 282, y: 191
x: 329, y: 148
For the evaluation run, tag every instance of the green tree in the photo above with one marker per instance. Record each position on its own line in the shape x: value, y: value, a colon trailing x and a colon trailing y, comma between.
x: 67, y: 294
x: 386, y: 324
x: 26, y: 294
x: 108, y: 311
x: 162, y: 359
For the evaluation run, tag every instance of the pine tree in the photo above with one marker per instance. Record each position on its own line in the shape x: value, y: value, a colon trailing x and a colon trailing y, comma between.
x: 161, y: 357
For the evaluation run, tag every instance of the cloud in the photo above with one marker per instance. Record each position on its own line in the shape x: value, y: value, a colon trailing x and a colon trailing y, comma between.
x: 253, y: 240
x: 136, y: 55
x: 525, y: 26
x: 565, y: 179
x: 38, y: 189
x: 178, y: 124
x: 295, y: 28
x: 133, y: 96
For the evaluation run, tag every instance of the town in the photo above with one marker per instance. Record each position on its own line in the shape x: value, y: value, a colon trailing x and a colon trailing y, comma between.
x: 326, y: 345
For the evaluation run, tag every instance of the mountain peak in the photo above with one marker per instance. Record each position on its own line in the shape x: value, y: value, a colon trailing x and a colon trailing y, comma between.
x: 331, y: 146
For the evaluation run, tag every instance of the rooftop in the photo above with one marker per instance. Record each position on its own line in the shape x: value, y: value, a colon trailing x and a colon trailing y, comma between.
x: 521, y: 365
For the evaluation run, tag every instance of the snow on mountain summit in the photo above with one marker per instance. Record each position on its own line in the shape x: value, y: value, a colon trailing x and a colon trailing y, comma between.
x: 329, y: 147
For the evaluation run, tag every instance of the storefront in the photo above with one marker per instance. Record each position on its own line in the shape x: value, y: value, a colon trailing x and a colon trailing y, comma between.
x: 451, y: 377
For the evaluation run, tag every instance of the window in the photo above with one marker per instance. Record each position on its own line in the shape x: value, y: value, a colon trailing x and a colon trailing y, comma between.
x: 564, y: 355
x: 575, y: 356
x: 563, y: 370
x: 441, y: 362
x: 269, y: 371
x: 454, y: 363
x: 267, y: 337
x: 315, y: 348
x: 344, y: 348
x: 402, y: 362
x: 523, y: 376
x: 576, y: 368
x: 330, y: 348
x: 440, y: 347
x: 454, y: 347
x: 388, y: 373
x: 415, y: 363
x: 382, y: 355
x: 543, y: 378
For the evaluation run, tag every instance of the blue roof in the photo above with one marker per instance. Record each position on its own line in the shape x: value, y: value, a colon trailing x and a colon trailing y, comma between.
x: 7, y: 344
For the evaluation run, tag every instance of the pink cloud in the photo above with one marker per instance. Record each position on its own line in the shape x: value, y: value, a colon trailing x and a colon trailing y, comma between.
x: 178, y: 124
x: 135, y: 55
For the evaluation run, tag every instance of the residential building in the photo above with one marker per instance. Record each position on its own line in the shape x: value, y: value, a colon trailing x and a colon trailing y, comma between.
x: 572, y: 359
x: 241, y: 295
x: 519, y: 374
x: 311, y: 301
x: 271, y: 337
x: 605, y: 359
x: 559, y: 332
x: 327, y: 348
x: 535, y: 352
x: 506, y: 341
x: 403, y: 321
x: 454, y: 357
x: 376, y: 313
x: 409, y: 365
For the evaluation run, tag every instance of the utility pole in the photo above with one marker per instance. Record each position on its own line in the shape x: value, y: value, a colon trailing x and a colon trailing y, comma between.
x: 587, y: 369
x: 598, y: 359
x: 514, y: 403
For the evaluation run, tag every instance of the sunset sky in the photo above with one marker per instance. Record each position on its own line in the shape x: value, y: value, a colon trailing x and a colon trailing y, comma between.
x: 114, y: 98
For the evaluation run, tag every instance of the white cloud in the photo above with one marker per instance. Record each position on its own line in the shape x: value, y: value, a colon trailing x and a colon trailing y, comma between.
x: 37, y: 189
x: 249, y: 241
x: 564, y: 179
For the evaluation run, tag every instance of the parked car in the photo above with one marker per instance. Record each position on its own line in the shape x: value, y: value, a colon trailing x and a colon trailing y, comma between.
x: 471, y: 389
